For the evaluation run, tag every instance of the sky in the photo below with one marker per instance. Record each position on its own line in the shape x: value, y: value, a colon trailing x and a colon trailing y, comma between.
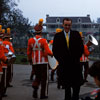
x: 36, y: 9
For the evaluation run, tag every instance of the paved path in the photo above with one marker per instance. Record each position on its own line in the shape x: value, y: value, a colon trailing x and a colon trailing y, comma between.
x: 22, y: 89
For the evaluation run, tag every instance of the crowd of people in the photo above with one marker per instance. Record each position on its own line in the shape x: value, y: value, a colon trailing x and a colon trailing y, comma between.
x: 71, y: 54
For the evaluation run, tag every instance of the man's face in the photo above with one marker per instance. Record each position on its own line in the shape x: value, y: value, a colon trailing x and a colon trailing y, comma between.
x: 67, y: 25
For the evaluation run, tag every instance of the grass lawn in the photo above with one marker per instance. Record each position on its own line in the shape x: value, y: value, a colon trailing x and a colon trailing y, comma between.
x: 21, y: 59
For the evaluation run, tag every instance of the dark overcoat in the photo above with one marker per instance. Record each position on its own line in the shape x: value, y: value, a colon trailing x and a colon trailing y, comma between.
x: 69, y: 58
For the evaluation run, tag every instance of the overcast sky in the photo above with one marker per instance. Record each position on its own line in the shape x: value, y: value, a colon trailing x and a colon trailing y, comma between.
x: 36, y: 9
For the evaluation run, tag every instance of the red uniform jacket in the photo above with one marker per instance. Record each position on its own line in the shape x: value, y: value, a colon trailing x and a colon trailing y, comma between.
x: 2, y: 56
x: 84, y: 57
x: 6, y: 50
x: 38, y: 50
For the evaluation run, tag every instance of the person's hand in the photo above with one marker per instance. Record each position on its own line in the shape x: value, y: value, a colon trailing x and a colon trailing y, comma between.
x: 8, y: 61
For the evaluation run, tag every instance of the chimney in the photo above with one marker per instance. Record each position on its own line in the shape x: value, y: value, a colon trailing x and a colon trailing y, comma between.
x: 88, y: 15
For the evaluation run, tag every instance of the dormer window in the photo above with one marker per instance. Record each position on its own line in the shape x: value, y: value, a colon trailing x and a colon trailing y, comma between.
x: 79, y: 20
x: 58, y: 20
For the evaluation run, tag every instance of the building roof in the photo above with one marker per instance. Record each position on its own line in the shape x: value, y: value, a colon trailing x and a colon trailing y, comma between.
x: 79, y: 19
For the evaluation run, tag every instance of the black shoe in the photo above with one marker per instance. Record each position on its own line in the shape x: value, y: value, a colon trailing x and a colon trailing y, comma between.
x: 0, y: 97
x: 85, y: 81
x: 63, y: 87
x: 58, y: 86
x: 4, y: 95
x: 52, y: 79
x: 9, y: 85
x: 31, y: 78
x: 43, y: 97
x: 35, y: 94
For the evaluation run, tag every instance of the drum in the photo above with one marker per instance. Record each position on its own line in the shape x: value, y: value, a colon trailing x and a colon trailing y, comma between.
x: 11, y: 57
x: 52, y: 60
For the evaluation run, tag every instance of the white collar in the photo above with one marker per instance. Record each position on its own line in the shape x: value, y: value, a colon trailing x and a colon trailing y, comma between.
x: 68, y: 33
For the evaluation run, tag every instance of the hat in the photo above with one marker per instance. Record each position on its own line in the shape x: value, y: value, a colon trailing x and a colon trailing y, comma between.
x: 40, y: 22
x: 8, y: 30
x: 7, y: 34
x: 81, y: 34
x: 2, y: 32
x: 38, y: 27
x: 0, y: 28
x: 58, y: 30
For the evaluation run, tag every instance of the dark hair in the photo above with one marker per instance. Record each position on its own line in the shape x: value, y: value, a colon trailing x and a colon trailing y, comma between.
x: 67, y: 19
x: 94, y: 70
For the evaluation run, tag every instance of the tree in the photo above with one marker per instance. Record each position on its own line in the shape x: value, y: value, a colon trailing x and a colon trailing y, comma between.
x: 13, y: 18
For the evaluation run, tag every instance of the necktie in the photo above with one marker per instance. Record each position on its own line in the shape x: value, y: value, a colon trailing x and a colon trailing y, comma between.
x: 67, y: 39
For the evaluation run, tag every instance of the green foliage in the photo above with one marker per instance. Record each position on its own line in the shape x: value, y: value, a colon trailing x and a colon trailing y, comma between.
x: 12, y: 17
x: 21, y: 59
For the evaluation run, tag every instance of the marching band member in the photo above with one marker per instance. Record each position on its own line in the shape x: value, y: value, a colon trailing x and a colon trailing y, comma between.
x: 37, y: 52
x: 10, y: 66
x: 7, y: 67
x: 84, y: 61
x: 1, y: 71
x: 59, y: 81
x: 4, y: 59
x: 51, y: 43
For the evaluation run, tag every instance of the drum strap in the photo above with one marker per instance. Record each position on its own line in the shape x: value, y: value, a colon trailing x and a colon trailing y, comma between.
x: 37, y: 47
x: 36, y: 44
x: 0, y: 42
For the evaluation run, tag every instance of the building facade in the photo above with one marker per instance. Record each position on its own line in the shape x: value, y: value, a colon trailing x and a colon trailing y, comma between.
x: 83, y: 24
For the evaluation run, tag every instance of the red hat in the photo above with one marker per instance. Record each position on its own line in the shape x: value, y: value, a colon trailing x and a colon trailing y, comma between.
x: 38, y: 27
x: 2, y: 32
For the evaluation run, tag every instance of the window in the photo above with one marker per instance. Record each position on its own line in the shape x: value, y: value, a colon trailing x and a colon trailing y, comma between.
x: 58, y: 20
x: 79, y: 20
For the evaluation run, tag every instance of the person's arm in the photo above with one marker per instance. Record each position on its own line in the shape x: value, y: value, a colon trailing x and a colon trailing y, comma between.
x: 29, y: 51
x: 2, y: 56
x: 46, y: 48
x: 86, y: 51
x: 56, y: 47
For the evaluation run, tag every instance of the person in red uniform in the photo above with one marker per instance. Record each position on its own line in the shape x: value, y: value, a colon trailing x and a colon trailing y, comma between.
x: 51, y: 43
x: 84, y: 61
x: 1, y: 35
x: 7, y: 46
x: 37, y: 52
x: 4, y: 59
x: 10, y: 66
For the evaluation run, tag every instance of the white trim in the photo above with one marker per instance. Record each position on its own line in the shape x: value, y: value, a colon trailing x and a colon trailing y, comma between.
x: 40, y: 63
x: 4, y: 66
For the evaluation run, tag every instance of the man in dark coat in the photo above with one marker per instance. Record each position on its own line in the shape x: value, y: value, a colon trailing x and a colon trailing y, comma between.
x: 68, y: 55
